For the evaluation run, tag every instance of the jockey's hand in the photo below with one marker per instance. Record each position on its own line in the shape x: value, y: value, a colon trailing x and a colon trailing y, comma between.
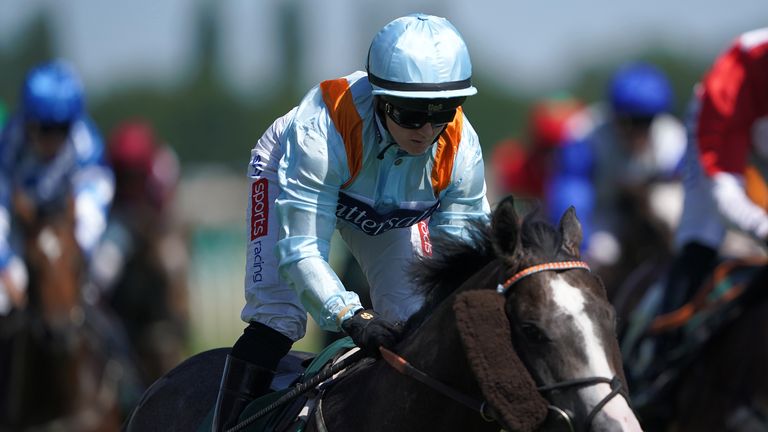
x: 369, y: 331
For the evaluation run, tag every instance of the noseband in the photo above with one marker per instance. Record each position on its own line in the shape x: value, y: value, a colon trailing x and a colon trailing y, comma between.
x: 617, y: 386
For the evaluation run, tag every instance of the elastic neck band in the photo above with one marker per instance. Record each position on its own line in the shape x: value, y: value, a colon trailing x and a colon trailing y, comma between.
x: 393, y: 85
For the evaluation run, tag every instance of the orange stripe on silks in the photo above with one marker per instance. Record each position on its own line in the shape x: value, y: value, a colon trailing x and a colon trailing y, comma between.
x: 756, y: 187
x: 447, y: 147
x: 341, y: 107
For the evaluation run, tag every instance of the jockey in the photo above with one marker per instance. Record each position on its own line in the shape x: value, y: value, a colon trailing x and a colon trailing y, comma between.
x: 728, y: 144
x: 525, y: 170
x: 48, y: 150
x: 146, y: 175
x: 387, y: 158
x: 624, y: 144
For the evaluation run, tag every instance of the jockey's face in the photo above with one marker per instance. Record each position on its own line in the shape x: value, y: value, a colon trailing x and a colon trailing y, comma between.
x: 635, y: 133
x: 414, y: 141
x: 47, y: 139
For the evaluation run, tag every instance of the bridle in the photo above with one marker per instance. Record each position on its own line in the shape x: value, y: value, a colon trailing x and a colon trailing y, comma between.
x: 617, y: 387
x: 486, y: 412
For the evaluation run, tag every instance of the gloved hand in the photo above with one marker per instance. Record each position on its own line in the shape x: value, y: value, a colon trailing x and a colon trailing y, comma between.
x: 369, y: 331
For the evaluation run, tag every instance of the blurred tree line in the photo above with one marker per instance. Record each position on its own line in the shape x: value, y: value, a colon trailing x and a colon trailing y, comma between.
x: 205, y: 122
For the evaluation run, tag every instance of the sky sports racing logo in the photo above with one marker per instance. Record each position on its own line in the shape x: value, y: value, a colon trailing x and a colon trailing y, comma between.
x: 259, y: 208
x: 373, y: 223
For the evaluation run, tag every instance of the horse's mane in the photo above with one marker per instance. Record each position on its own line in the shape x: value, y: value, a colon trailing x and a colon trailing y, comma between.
x: 456, y: 258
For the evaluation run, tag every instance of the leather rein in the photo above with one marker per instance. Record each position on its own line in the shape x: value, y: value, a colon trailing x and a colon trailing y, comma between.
x: 486, y: 412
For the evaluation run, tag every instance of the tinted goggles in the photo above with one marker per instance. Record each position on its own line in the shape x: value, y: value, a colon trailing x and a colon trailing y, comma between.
x: 409, y: 119
x: 52, y: 128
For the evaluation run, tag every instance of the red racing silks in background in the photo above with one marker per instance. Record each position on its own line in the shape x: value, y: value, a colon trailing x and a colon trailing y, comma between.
x: 259, y: 208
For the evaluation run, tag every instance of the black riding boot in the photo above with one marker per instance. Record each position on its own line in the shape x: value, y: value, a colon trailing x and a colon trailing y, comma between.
x: 241, y: 383
x: 248, y: 372
x: 687, y: 273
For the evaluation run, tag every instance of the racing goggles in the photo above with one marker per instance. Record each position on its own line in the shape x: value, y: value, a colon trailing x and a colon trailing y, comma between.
x: 410, y: 119
x: 52, y: 128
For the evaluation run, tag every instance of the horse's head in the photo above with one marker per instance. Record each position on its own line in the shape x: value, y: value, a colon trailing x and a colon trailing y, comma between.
x: 53, y: 259
x: 562, y: 324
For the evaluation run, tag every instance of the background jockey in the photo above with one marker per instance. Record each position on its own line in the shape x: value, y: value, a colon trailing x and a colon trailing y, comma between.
x: 524, y: 168
x: 613, y: 150
x: 146, y: 176
x: 50, y: 150
x: 727, y: 152
x: 376, y: 155
x: 140, y: 268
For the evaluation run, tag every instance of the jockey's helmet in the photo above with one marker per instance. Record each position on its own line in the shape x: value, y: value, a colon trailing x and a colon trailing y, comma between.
x: 640, y: 90
x: 420, y: 56
x: 549, y: 119
x: 52, y: 94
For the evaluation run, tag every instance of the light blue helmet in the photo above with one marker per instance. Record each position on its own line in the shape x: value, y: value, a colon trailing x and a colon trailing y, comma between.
x: 420, y: 56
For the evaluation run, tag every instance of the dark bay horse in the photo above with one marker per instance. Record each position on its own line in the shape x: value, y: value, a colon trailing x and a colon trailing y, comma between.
x: 512, y: 320
x: 58, y: 375
x: 726, y: 388
x: 719, y: 383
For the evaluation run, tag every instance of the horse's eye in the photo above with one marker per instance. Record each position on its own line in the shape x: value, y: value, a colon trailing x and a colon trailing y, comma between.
x: 533, y: 334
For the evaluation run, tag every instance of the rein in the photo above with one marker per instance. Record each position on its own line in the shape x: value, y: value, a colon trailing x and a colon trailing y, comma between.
x: 486, y: 412
x: 401, y: 365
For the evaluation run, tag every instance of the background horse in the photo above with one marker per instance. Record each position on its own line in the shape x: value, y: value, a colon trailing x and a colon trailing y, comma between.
x: 467, y: 336
x: 726, y: 388
x: 645, y: 236
x: 59, y: 377
x: 150, y: 297
x: 719, y: 384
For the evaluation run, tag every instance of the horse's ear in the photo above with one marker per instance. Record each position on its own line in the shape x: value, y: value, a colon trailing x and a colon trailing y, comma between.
x: 504, y: 225
x: 570, y: 229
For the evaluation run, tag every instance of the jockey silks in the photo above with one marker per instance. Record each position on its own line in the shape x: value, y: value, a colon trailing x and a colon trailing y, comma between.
x: 78, y: 168
x: 330, y: 164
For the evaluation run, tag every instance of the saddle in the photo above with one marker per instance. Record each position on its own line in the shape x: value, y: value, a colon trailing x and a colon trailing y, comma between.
x: 296, y: 367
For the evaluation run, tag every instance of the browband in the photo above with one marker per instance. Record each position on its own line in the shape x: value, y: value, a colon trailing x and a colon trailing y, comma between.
x: 556, y: 266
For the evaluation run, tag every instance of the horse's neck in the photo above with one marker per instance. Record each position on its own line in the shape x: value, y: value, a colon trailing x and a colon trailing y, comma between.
x: 379, y: 398
x: 435, y: 347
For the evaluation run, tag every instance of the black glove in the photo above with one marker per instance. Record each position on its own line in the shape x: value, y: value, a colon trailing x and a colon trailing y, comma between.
x: 368, y: 330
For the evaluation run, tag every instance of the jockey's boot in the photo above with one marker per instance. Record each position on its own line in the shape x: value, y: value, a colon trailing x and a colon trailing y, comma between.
x: 248, y: 372
x: 241, y: 383
x: 687, y: 273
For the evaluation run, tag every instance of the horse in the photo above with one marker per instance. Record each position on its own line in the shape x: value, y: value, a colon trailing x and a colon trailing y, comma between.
x: 511, y: 320
x: 726, y: 388
x: 645, y: 236
x: 150, y: 294
x: 58, y: 376
x: 717, y: 381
